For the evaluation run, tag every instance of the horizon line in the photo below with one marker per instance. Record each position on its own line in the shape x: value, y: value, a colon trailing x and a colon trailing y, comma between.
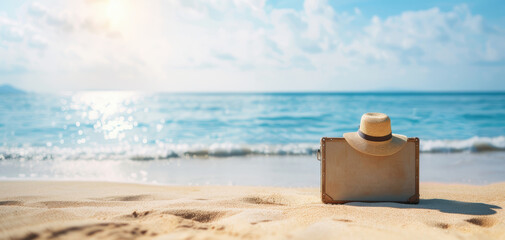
x: 281, y: 92
x: 274, y: 92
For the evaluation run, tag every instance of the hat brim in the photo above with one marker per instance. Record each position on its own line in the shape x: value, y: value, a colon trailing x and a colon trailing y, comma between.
x: 386, y: 148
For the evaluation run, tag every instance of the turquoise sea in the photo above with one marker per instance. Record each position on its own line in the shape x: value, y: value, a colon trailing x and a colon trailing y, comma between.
x: 239, y: 138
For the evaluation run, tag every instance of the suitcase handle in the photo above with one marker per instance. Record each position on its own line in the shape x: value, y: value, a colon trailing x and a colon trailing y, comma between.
x: 318, y: 154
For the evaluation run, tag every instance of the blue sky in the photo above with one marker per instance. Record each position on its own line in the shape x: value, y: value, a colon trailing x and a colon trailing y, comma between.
x: 253, y: 45
x: 491, y: 9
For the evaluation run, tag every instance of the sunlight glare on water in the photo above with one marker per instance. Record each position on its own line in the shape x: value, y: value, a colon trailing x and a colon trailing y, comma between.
x: 110, y: 113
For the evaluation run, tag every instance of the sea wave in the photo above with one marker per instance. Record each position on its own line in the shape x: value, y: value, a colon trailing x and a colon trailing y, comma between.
x: 169, y: 151
x: 143, y: 153
x: 474, y: 144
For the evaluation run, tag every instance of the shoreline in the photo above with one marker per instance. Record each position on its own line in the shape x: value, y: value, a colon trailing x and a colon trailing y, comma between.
x: 108, y: 210
x: 281, y: 171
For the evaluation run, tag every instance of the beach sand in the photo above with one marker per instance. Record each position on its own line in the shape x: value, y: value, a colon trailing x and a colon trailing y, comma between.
x: 102, y: 210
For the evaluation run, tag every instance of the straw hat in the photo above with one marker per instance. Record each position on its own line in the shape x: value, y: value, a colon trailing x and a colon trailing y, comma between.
x: 374, y: 136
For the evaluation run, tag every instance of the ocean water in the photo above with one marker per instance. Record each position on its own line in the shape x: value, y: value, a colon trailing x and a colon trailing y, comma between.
x: 250, y: 138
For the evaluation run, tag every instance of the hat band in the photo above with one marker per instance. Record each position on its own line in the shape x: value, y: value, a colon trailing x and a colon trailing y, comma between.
x: 373, y: 138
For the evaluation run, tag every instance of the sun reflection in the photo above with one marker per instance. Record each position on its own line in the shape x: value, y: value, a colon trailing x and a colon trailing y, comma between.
x: 109, y: 112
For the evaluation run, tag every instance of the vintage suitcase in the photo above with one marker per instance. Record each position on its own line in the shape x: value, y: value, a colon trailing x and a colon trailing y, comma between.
x: 348, y: 175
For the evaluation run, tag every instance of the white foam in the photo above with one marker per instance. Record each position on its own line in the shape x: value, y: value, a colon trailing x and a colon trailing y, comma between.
x: 167, y: 151
x: 149, y: 152
x: 474, y: 144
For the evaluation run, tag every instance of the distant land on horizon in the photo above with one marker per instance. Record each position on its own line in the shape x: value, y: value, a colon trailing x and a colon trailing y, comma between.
x: 7, y: 88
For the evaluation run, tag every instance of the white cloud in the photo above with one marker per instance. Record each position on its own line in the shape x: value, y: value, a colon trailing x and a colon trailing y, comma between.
x: 428, y: 36
x: 357, y: 11
x: 37, y: 41
x: 240, y: 45
x: 36, y: 9
x: 10, y: 31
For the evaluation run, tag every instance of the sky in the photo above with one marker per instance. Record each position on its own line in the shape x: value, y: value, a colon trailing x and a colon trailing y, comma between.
x: 252, y: 45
